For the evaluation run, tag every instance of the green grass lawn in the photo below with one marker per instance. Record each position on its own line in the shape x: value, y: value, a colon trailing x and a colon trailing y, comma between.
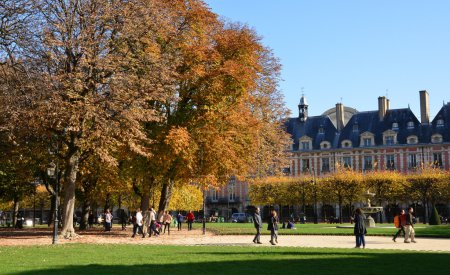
x: 422, y: 230
x: 148, y: 259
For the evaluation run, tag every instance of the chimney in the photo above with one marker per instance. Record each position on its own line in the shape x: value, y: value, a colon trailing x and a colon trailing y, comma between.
x: 339, y: 116
x: 383, y: 106
x: 424, y: 107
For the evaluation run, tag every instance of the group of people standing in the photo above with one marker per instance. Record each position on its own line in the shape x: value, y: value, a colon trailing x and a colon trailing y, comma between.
x: 147, y: 224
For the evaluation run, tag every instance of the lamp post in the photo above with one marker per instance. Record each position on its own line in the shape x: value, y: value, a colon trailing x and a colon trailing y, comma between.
x: 204, y: 212
x: 52, y: 172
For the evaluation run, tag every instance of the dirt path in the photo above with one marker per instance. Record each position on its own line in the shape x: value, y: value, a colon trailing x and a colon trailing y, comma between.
x: 9, y: 237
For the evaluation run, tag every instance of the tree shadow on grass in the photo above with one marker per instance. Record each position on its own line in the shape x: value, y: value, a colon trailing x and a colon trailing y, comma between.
x: 270, y: 263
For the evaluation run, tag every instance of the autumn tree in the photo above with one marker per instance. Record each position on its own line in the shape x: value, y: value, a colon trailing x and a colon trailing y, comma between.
x: 344, y: 185
x: 427, y: 184
x: 387, y: 185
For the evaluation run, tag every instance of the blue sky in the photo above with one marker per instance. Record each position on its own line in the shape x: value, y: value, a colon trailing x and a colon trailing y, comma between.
x: 353, y: 49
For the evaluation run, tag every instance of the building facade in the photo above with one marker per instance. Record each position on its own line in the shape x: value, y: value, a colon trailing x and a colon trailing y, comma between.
x: 383, y: 139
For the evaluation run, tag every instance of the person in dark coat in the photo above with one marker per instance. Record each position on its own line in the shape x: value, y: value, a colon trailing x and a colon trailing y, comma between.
x: 273, y: 227
x: 258, y: 225
x: 360, y: 229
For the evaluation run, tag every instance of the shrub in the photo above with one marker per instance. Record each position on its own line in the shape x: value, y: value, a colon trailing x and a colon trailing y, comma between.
x: 435, y: 219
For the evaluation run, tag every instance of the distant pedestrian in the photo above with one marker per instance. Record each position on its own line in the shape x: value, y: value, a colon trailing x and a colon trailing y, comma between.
x: 258, y: 225
x: 400, y: 221
x: 409, y: 226
x: 137, y: 226
x: 153, y: 227
x: 167, y: 221
x: 123, y: 218
x: 91, y: 219
x: 273, y: 227
x: 180, y: 219
x: 108, y: 220
x: 360, y: 229
x: 190, y: 219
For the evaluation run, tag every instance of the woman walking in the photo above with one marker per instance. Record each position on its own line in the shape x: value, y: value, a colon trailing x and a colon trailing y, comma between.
x: 360, y: 229
x: 273, y: 227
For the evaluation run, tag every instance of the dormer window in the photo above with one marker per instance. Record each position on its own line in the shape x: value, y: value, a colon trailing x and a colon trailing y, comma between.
x: 410, y: 125
x: 440, y: 123
x: 325, y: 145
x: 321, y: 130
x: 412, y: 140
x: 395, y: 126
x: 389, y: 137
x: 305, y: 143
x: 367, y: 139
x: 437, y: 138
x: 346, y: 144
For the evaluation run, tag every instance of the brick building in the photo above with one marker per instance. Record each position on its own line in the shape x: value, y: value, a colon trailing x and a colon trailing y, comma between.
x: 363, y: 140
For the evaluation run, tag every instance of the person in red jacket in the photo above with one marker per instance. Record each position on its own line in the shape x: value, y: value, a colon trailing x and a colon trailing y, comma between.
x: 190, y: 219
x: 401, y: 224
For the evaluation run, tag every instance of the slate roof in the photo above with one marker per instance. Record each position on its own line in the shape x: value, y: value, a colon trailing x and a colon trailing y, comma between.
x: 444, y: 130
x: 369, y: 122
x: 310, y: 128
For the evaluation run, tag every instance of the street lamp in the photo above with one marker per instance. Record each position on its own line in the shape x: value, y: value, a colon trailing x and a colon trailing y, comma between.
x: 52, y: 172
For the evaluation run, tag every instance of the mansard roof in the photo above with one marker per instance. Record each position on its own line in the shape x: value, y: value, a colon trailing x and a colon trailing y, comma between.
x: 310, y: 128
x: 444, y: 130
x: 370, y: 122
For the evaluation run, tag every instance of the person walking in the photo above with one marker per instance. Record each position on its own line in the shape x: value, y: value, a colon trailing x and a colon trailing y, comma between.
x: 190, y: 219
x: 152, y: 228
x: 409, y: 226
x: 91, y: 219
x: 399, y: 222
x: 108, y: 220
x: 167, y: 221
x: 273, y: 227
x: 123, y: 219
x: 179, y: 220
x: 258, y: 225
x: 137, y: 226
x: 360, y: 229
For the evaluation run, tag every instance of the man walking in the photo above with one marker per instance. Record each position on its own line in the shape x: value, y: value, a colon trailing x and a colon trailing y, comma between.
x: 258, y: 225
x: 138, y: 223
x: 409, y: 227
x: 399, y: 222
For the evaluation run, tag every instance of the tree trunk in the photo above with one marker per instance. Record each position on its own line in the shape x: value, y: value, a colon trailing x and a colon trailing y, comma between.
x: 67, y: 230
x: 107, y: 202
x: 340, y: 210
x: 85, y: 214
x: 145, y: 201
x: 166, y: 194
x: 15, y: 211
x: 425, y: 204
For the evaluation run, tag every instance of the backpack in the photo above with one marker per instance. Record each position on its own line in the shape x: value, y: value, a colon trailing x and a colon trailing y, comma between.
x: 403, y: 219
x: 397, y: 221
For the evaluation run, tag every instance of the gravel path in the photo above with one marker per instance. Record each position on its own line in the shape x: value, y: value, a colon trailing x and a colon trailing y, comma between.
x: 195, y: 237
